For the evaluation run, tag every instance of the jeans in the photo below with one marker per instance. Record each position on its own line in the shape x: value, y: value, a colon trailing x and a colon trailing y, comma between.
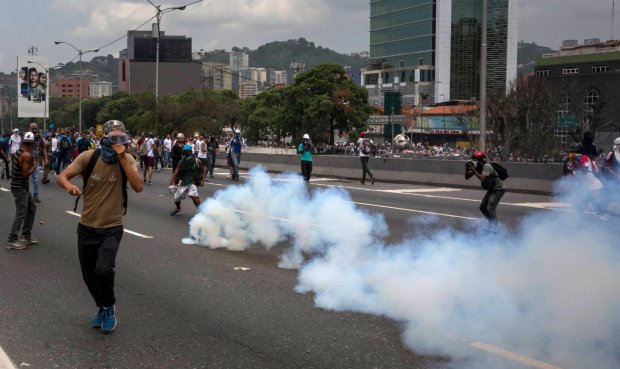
x: 25, y: 210
x: 365, y: 168
x: 167, y: 162
x: 35, y: 182
x: 210, y: 164
x: 306, y: 169
x: 489, y: 204
x: 236, y: 159
x: 97, y: 249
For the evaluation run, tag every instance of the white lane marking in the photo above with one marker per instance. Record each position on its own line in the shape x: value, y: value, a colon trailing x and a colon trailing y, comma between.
x: 4, y: 189
x: 126, y: 230
x: 424, y: 190
x: 412, y: 210
x: 544, y: 205
x: 5, y: 362
x: 512, y: 356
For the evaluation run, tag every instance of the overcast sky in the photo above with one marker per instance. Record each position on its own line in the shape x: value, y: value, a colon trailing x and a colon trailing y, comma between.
x: 341, y: 25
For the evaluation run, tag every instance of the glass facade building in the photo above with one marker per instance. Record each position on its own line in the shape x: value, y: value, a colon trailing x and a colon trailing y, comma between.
x: 446, y: 35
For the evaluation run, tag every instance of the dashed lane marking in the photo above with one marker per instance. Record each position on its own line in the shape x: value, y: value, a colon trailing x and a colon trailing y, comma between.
x: 125, y: 230
x: 424, y: 190
x: 412, y: 210
x: 5, y: 362
x: 532, y: 363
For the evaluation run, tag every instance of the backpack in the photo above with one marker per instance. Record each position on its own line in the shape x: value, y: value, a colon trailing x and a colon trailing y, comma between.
x: 83, y: 144
x: 65, y: 143
x: 143, y: 150
x: 367, y: 146
x: 89, y: 170
x: 502, y: 172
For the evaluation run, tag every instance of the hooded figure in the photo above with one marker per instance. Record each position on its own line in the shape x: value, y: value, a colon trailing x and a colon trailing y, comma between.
x: 611, y: 167
x: 588, y: 146
x: 15, y: 142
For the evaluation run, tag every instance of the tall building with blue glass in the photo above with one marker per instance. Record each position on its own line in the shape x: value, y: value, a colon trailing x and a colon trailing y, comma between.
x: 436, y: 45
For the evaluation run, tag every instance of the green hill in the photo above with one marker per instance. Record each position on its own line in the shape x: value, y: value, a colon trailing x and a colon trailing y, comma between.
x: 279, y: 55
x: 527, y: 54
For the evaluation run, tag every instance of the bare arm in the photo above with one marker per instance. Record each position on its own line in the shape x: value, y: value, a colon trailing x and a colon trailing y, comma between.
x: 173, y: 179
x: 134, y: 179
x: 64, y: 179
x: 28, y: 164
x: 203, y: 172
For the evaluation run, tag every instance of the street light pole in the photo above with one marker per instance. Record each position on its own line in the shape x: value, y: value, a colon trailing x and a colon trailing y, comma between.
x: 80, y: 53
x: 444, y: 117
x: 483, y: 78
x: 155, y: 30
x: 392, y: 121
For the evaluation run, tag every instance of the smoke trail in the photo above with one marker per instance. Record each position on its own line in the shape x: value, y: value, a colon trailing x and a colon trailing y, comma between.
x: 550, y: 290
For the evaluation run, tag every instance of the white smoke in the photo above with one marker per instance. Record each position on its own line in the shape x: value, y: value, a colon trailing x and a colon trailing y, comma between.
x: 550, y: 290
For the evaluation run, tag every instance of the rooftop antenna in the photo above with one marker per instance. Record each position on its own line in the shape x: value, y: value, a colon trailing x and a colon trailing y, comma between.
x: 33, y: 51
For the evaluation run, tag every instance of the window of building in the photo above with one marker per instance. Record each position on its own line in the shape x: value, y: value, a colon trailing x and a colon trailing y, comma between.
x: 593, y: 95
x: 543, y: 72
x: 600, y: 69
x: 420, y: 61
x: 570, y: 71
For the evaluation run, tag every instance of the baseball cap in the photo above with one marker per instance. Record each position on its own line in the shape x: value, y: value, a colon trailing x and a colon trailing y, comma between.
x: 29, y: 137
x: 187, y: 147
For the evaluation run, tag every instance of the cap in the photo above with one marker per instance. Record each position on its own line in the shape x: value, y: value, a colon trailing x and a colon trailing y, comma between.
x: 478, y: 155
x: 363, y: 133
x: 237, y: 131
x: 306, y: 137
x: 187, y: 147
x: 29, y: 137
x: 617, y: 141
x: 16, y: 130
x: 113, y: 124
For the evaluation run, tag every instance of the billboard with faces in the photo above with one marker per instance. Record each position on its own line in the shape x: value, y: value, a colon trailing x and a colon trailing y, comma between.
x: 32, y: 87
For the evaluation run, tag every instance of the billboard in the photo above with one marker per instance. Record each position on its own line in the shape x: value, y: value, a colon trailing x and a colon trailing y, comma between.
x: 32, y: 87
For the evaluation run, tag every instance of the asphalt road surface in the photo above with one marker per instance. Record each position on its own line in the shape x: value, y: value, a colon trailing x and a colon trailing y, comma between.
x: 185, y: 306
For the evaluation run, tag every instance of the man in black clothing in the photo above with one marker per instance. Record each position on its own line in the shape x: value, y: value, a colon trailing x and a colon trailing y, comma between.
x: 177, y: 151
x: 212, y: 149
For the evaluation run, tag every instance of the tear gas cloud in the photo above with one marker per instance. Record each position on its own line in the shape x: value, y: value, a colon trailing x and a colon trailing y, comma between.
x: 549, y: 290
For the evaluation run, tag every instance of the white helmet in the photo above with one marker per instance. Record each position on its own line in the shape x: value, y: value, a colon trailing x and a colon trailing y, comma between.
x: 617, y: 141
x: 28, y: 137
x: 237, y: 131
x: 306, y: 136
x: 180, y: 136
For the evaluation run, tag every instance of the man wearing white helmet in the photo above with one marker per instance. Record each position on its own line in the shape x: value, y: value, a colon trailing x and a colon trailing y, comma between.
x: 14, y: 142
x: 305, y: 148
x: 24, y: 164
x: 106, y: 173
x: 611, y: 168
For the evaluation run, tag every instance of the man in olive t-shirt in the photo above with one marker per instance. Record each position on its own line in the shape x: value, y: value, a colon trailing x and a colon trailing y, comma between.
x: 101, y: 224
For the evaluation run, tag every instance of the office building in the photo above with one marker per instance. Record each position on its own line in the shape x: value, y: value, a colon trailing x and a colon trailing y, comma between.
x: 278, y: 78
x: 429, y: 50
x: 587, y: 78
x: 100, y: 89
x: 70, y: 87
x: 216, y: 76
x: 177, y: 71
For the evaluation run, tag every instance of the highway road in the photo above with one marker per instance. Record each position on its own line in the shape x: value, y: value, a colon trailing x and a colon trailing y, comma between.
x: 183, y: 306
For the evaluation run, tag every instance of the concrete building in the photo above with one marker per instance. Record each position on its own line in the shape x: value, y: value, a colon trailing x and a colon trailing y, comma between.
x: 248, y: 89
x: 429, y: 50
x: 70, y: 87
x: 587, y: 77
x: 177, y: 71
x: 239, y: 64
x: 259, y: 75
x: 100, y: 89
x: 216, y: 76
x: 278, y: 77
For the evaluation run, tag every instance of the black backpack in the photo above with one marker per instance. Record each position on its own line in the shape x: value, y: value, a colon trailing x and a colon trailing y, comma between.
x: 89, y: 170
x: 65, y: 143
x: 501, y: 171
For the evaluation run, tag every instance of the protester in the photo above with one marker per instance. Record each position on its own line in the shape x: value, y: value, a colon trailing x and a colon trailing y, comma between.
x: 177, y: 150
x: 4, y: 155
x: 234, y: 149
x: 100, y: 229
x: 167, y: 149
x: 201, y: 150
x: 48, y: 163
x: 212, y: 148
x: 24, y: 164
x: 149, y: 162
x: 365, y: 147
x: 305, y: 148
x: 587, y: 145
x: 490, y: 181
x: 189, y: 174
x: 611, y: 167
x: 14, y: 142
x: 40, y: 155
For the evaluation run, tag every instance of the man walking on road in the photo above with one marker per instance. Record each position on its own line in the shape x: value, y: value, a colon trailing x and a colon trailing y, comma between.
x: 234, y: 150
x: 489, y: 180
x: 365, y: 147
x: 212, y: 148
x: 305, y: 148
x: 100, y: 229
x: 40, y: 155
x: 24, y: 164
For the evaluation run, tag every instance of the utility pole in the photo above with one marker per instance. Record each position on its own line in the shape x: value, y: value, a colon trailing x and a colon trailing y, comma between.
x: 483, y: 77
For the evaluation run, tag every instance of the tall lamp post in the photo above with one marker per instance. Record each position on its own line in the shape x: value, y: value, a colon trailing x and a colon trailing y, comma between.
x: 80, y: 53
x: 160, y: 13
x: 443, y: 99
x: 392, y: 123
x: 49, y: 81
x: 483, y: 78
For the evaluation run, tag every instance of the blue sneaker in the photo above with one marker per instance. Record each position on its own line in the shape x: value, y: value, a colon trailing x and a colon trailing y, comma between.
x: 96, y: 323
x: 109, y: 320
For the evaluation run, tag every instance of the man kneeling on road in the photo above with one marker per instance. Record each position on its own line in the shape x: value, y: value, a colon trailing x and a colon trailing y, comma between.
x: 189, y: 173
x: 101, y: 224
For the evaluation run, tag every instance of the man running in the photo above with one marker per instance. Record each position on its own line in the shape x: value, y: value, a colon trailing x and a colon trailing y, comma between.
x: 189, y: 173
x: 489, y: 180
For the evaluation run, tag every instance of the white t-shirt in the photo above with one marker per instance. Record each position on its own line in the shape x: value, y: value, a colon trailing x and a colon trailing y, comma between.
x: 15, y: 142
x: 199, y: 146
x: 149, y: 148
x: 54, y: 144
x: 168, y: 144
